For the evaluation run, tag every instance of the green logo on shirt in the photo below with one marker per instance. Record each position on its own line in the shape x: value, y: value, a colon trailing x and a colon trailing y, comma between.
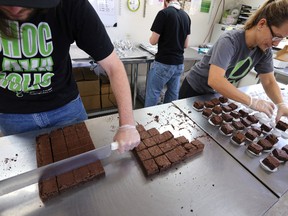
x: 240, y: 70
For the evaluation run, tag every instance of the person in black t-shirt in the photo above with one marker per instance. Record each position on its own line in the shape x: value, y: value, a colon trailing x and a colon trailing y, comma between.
x: 37, y: 88
x: 170, y: 31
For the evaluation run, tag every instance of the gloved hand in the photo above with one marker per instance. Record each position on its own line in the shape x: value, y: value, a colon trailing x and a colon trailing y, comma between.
x: 282, y: 111
x: 127, y: 137
x: 262, y: 106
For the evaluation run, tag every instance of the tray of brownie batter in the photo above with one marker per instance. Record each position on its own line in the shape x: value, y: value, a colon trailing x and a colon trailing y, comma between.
x: 209, y: 180
x: 250, y: 137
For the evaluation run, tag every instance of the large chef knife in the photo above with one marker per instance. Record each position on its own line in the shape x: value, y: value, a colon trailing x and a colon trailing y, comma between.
x: 54, y: 169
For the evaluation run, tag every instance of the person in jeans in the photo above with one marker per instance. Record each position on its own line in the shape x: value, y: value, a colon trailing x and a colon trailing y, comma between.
x: 37, y: 87
x: 170, y: 31
x: 236, y: 53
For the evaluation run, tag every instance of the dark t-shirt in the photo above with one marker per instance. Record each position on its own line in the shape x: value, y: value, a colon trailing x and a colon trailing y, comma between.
x: 173, y: 25
x: 36, y: 68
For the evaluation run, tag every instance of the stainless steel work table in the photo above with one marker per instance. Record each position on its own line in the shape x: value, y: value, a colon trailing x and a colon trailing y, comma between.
x: 211, y: 183
x: 277, y: 181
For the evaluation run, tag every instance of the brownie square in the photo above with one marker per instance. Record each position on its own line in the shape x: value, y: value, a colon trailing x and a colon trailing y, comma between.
x: 223, y: 99
x: 198, y: 144
x: 252, y: 119
x: 48, y: 188
x: 215, y: 101
x: 235, y: 114
x: 216, y: 120
x: 285, y: 148
x: 180, y: 151
x: 226, y: 129
x: 173, y: 156
x: 144, y: 155
x: 150, y: 167
x: 265, y: 127
x: 243, y: 113
x: 81, y: 130
x: 163, y: 162
x: 96, y: 169
x: 257, y: 130
x: 153, y: 132
x: 227, y: 117
x: 265, y: 144
x: 168, y: 145
x: 271, y: 162
x: 140, y: 147
x: 226, y: 108
x: 167, y: 135
x: 209, y: 104
x: 282, y: 125
x: 280, y: 154
x: 233, y: 106
x: 207, y: 112
x: 181, y: 140
x: 198, y: 105
x: 144, y: 135
x: 155, y: 151
x: 245, y: 122
x: 217, y: 110
x: 140, y: 128
x: 251, y: 135
x: 272, y: 138
x: 255, y: 148
x: 149, y: 142
x: 238, y: 125
x: 238, y: 137
x: 66, y: 181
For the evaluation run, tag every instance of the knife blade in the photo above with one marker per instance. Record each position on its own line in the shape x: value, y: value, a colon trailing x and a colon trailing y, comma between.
x: 54, y: 169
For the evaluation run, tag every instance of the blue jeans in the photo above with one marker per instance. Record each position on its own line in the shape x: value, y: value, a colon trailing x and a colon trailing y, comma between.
x: 159, y: 76
x: 70, y: 113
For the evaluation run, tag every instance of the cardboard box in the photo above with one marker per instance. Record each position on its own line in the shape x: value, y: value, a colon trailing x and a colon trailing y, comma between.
x: 87, y: 88
x: 106, y: 89
x: 108, y: 101
x: 78, y: 74
x: 282, y: 55
x: 91, y: 102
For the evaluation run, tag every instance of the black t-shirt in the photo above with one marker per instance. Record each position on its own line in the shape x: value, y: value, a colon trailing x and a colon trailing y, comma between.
x: 36, y: 70
x: 173, y: 25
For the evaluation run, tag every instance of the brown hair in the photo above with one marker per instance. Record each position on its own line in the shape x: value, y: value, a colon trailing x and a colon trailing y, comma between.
x: 274, y: 11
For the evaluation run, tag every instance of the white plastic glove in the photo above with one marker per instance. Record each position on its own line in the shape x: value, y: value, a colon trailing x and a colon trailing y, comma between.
x: 282, y: 111
x: 262, y: 106
x: 128, y: 138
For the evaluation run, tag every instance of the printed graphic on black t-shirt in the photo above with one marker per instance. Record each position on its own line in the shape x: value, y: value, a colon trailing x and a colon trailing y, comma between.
x: 27, y: 65
x: 240, y: 70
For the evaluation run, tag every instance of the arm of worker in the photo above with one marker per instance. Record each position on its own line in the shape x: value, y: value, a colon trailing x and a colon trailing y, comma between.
x: 127, y: 136
x: 217, y: 81
x: 154, y: 38
x: 186, y: 42
x: 273, y: 91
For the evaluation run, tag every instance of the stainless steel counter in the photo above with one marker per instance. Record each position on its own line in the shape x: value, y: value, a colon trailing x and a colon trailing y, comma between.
x: 212, y: 183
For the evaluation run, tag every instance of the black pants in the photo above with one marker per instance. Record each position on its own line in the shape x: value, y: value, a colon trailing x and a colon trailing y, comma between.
x: 187, y: 91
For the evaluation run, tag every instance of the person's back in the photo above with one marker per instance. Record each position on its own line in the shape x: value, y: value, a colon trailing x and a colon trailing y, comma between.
x: 170, y: 31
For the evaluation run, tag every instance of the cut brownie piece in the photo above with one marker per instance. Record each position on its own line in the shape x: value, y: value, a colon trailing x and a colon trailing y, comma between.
x: 271, y: 162
x: 162, y: 162
x: 223, y: 99
x: 207, y: 112
x: 153, y: 132
x: 285, y: 148
x: 181, y: 140
x: 149, y: 142
x: 144, y: 155
x: 265, y: 144
x: 140, y: 128
x: 235, y: 115
x: 282, y: 125
x: 226, y: 109
x: 245, y: 122
x: 217, y: 110
x: 155, y: 151
x: 238, y: 137
x: 226, y: 129
x: 243, y: 113
x: 233, y: 106
x: 140, y: 147
x: 173, y: 156
x: 238, y: 125
x: 209, y: 104
x: 266, y: 128
x: 150, y: 167
x: 272, y: 138
x: 251, y: 134
x: 167, y: 135
x: 252, y: 119
x: 227, y: 117
x: 144, y: 135
x: 168, y: 145
x: 257, y: 130
x: 255, y: 148
x: 198, y: 105
x: 280, y: 154
x: 48, y: 188
x: 216, y: 120
x: 215, y: 101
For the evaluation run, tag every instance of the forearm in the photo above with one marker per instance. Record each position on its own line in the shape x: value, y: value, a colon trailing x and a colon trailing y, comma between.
x: 273, y: 91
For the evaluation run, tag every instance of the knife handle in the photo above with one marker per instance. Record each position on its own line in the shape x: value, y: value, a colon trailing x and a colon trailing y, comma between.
x: 114, y: 146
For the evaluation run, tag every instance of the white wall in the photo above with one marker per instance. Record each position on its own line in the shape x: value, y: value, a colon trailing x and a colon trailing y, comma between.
x: 133, y: 26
